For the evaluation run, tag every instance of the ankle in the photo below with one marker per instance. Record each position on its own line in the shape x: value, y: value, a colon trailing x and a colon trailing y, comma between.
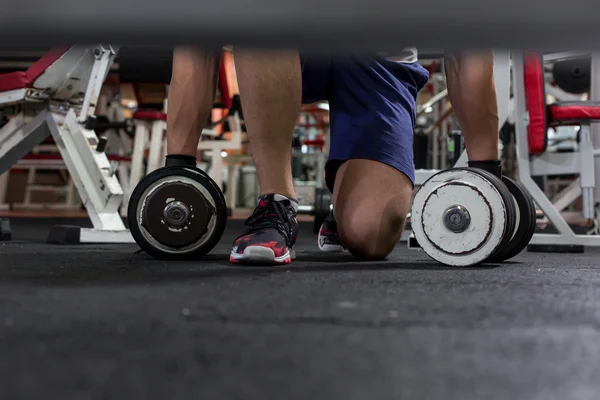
x: 290, y: 194
x: 279, y: 196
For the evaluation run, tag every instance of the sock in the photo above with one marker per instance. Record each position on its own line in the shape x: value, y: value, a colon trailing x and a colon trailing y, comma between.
x: 180, y: 160
x: 493, y: 166
x: 280, y: 198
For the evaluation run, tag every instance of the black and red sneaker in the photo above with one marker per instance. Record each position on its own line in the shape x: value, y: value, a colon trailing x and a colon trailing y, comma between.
x: 270, y: 234
x: 329, y: 239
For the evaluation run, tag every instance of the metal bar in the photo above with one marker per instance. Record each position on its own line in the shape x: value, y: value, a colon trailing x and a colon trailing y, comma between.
x: 433, y: 24
x: 585, y: 240
x: 594, y: 166
x: 560, y: 94
x: 502, y: 66
x: 587, y: 172
x: 556, y: 164
x: 564, y: 55
x: 18, y: 137
x: 104, y: 57
x: 105, y: 236
x: 432, y: 101
x: 306, y: 209
x: 100, y: 191
x: 567, y: 196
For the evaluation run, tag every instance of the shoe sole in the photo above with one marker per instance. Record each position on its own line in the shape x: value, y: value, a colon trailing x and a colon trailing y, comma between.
x: 330, y: 248
x: 259, y: 255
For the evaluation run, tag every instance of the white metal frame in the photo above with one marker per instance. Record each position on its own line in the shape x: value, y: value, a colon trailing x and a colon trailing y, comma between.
x: 581, y: 162
x: 148, y: 134
x: 54, y: 108
x: 215, y: 147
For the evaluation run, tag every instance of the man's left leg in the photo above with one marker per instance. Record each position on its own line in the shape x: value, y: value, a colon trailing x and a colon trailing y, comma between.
x: 370, y: 167
x: 371, y: 201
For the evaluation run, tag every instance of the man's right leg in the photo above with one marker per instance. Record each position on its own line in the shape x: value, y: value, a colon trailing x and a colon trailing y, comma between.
x: 270, y: 89
x: 191, y: 97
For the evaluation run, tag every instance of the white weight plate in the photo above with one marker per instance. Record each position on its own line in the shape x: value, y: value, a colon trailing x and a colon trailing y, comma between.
x: 487, y: 217
x: 517, y: 217
x: 469, y: 198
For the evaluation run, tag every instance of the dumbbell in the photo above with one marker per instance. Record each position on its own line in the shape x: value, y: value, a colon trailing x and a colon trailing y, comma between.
x: 465, y: 216
x: 321, y: 209
x: 177, y: 212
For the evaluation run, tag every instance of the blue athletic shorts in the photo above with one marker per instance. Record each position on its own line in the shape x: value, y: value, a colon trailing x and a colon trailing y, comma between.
x: 372, y: 104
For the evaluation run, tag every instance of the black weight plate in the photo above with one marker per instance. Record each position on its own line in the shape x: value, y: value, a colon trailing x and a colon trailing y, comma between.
x: 532, y: 216
x: 573, y: 75
x: 5, y: 231
x: 524, y: 232
x: 200, y: 213
x: 511, y: 212
x: 189, y: 172
x: 322, y: 208
x: 319, y: 219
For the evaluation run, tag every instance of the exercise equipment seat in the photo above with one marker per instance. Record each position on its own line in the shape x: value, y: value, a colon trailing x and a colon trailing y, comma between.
x: 542, y: 115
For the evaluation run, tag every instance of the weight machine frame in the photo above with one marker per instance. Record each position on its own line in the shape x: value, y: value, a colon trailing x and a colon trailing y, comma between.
x: 582, y: 163
x: 54, y: 106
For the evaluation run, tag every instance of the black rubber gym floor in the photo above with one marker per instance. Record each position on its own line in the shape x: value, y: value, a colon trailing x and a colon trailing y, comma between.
x: 105, y: 322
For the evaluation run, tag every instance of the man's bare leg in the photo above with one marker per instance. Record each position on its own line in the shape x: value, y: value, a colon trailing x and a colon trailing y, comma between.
x: 271, y: 90
x: 472, y: 92
x: 371, y: 201
x: 191, y: 97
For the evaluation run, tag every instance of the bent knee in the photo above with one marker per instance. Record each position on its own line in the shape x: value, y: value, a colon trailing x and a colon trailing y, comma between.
x: 368, y: 236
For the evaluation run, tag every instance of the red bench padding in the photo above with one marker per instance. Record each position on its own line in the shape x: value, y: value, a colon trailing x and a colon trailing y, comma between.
x: 150, y: 115
x: 541, y: 115
x: 535, y: 98
x: 579, y: 111
x: 13, y: 81
x: 21, y: 80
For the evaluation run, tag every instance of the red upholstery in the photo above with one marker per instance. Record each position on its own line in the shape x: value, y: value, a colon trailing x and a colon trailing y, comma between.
x: 55, y: 160
x: 13, y: 81
x: 223, y: 86
x: 20, y: 80
x: 314, y: 143
x: 535, y: 98
x: 541, y: 115
x: 573, y: 111
x: 150, y: 115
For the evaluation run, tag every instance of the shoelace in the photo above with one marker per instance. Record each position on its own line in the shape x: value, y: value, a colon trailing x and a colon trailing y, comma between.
x: 273, y: 216
x: 330, y: 225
